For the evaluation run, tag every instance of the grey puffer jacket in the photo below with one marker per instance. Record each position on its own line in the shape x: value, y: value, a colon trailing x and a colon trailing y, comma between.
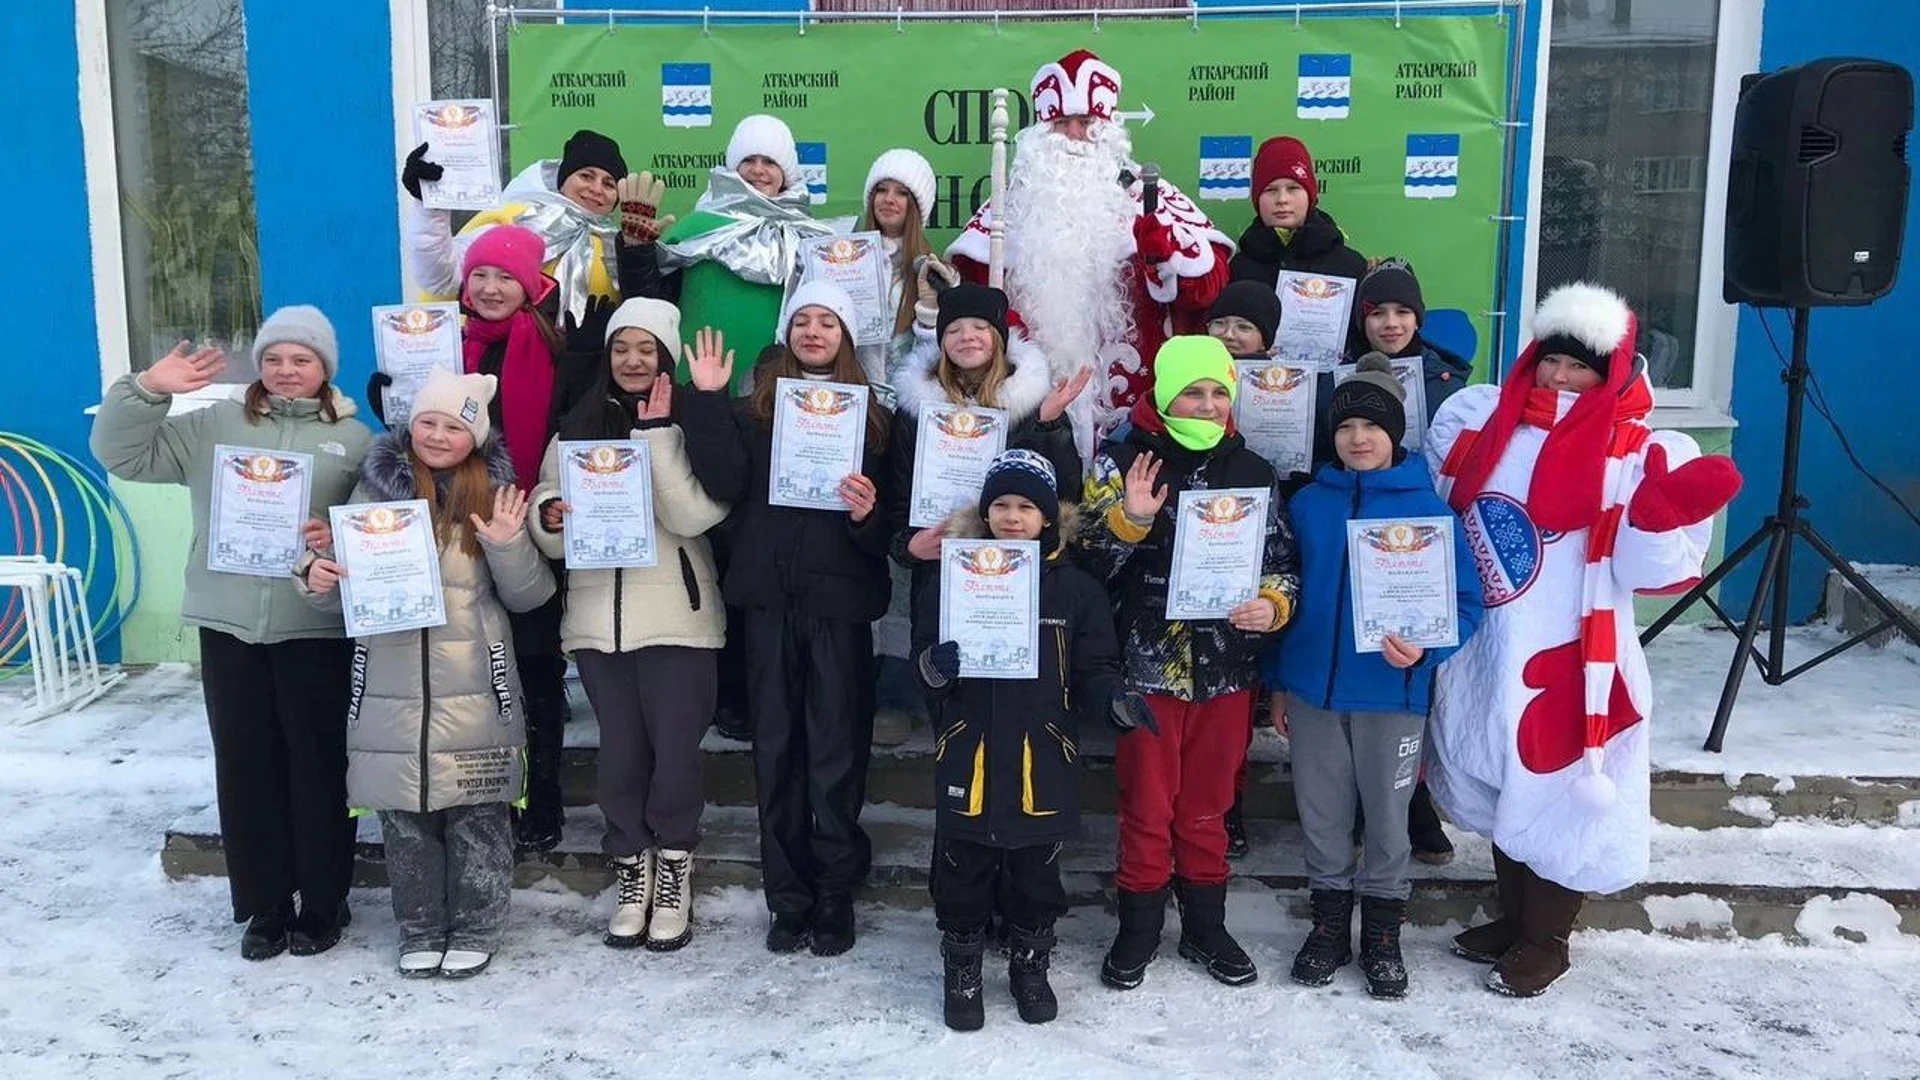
x: 136, y: 440
x: 437, y: 718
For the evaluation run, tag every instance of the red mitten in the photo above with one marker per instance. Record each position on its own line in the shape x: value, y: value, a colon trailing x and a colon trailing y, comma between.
x: 1153, y: 240
x: 1691, y: 493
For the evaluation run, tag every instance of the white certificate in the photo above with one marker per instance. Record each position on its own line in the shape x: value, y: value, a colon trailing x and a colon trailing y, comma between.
x: 259, y: 503
x: 1274, y: 413
x: 950, y: 459
x: 819, y: 439
x: 990, y: 605
x: 857, y: 262
x: 462, y: 138
x: 410, y: 340
x: 608, y: 487
x: 1412, y: 373
x: 1314, y: 314
x: 1403, y: 582
x: 1219, y: 543
x: 392, y: 564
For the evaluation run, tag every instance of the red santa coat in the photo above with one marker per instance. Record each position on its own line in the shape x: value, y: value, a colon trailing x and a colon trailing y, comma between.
x: 1172, y: 298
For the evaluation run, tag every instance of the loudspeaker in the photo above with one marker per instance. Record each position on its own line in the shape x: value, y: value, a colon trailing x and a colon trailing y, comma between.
x: 1817, y: 194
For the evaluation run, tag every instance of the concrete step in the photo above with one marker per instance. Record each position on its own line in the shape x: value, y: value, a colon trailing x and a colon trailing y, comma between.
x: 1797, y: 880
x: 1850, y: 610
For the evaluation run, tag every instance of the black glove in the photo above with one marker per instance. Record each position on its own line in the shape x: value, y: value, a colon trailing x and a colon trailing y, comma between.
x: 418, y: 168
x: 589, y: 335
x: 940, y: 664
x: 1129, y: 710
x: 376, y: 402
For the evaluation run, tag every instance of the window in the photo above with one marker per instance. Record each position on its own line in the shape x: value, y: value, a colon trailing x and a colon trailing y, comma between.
x: 1624, y: 195
x: 185, y: 158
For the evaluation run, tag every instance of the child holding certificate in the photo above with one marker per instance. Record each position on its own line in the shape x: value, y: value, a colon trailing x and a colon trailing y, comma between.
x: 810, y: 582
x: 1356, y: 718
x: 1573, y: 505
x: 899, y: 201
x: 1197, y: 674
x: 1290, y: 230
x: 1006, y: 780
x: 274, y: 671
x: 644, y: 638
x: 436, y: 723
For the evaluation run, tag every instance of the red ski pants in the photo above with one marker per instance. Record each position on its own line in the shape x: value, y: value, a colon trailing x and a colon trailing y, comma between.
x: 1176, y: 787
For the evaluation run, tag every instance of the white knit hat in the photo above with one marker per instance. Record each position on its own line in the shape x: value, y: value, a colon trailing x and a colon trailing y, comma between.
x: 817, y: 293
x: 299, y: 324
x: 656, y: 317
x: 770, y: 137
x: 910, y: 169
x: 463, y: 397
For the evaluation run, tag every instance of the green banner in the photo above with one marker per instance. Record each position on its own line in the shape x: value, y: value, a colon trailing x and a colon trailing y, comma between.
x: 1403, y: 122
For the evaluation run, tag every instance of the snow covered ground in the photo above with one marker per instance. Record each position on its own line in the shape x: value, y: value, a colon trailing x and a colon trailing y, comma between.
x: 111, y: 970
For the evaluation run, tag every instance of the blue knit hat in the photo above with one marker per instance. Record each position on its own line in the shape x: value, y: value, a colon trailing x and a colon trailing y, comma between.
x: 1023, y: 473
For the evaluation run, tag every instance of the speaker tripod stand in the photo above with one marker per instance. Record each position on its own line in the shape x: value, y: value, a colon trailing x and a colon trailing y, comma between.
x: 1778, y: 533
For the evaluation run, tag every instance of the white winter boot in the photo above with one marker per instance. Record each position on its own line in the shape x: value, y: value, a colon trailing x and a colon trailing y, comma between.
x: 634, y: 876
x: 673, y: 904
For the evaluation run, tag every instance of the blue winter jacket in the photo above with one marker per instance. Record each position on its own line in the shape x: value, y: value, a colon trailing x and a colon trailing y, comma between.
x: 1315, y: 659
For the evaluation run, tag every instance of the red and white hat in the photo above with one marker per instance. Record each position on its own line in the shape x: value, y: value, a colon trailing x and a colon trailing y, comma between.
x: 1077, y: 84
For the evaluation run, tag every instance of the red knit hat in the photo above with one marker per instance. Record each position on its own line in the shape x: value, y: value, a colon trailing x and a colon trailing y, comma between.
x: 1284, y: 155
x: 517, y: 250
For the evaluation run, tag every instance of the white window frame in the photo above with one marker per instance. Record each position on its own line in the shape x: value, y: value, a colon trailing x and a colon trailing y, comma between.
x: 102, y: 163
x: 1736, y: 53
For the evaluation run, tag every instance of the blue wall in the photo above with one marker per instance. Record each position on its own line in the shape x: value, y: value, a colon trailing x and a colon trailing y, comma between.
x: 1864, y: 357
x: 53, y: 359
x: 321, y: 97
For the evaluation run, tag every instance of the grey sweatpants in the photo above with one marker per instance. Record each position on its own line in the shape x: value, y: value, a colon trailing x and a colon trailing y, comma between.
x: 1340, y: 758
x: 654, y: 704
x: 451, y: 872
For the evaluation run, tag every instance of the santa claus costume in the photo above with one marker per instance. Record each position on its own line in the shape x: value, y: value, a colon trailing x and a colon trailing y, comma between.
x: 1572, y: 504
x: 1094, y: 278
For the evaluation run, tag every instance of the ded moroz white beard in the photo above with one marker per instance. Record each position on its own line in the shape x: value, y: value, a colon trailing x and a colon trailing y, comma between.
x: 1070, y: 242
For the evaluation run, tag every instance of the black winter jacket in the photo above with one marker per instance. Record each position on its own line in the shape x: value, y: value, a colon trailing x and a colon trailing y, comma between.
x: 1317, y: 247
x: 817, y: 563
x: 1006, y: 750
x: 1192, y: 661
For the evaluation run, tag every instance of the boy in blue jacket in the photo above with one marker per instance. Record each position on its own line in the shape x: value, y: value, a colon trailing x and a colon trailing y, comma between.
x: 1357, y: 719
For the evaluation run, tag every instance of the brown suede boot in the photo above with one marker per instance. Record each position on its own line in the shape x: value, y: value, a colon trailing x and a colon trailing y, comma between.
x: 1488, y: 942
x: 1546, y: 921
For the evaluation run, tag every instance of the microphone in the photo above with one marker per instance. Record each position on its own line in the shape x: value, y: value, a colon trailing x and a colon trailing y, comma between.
x: 1149, y: 189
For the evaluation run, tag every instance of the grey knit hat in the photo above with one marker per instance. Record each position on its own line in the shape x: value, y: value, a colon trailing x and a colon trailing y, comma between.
x: 1372, y: 393
x: 299, y: 324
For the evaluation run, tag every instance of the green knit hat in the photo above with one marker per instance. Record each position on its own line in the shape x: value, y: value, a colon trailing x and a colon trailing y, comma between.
x: 1181, y: 362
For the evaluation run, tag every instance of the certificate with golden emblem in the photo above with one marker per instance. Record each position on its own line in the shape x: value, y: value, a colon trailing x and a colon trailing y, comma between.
x: 857, y: 262
x: 392, y: 564
x: 956, y: 445
x: 819, y: 439
x: 1274, y: 413
x: 607, y: 485
x: 1219, y: 543
x: 257, y: 506
x: 1402, y: 576
x: 1315, y: 310
x: 463, y: 138
x: 410, y: 340
x: 990, y: 606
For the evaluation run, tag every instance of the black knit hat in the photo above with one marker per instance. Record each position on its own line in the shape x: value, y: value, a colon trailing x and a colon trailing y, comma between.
x: 1372, y: 393
x: 1252, y: 301
x: 969, y: 301
x: 1568, y: 345
x: 1023, y: 473
x: 590, y: 148
x: 1390, y: 281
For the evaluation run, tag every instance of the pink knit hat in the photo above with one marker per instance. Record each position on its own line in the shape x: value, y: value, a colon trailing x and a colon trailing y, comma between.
x: 517, y: 250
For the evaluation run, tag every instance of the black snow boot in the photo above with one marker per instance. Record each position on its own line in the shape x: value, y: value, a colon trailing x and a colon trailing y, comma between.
x: 833, y: 930
x: 1429, y: 840
x: 314, y: 932
x: 266, y: 933
x: 1142, y: 916
x: 1029, y: 953
x: 960, y: 955
x: 1236, y: 823
x: 1329, y: 945
x: 1380, y: 961
x: 537, y: 828
x: 1203, y: 934
x: 790, y: 931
